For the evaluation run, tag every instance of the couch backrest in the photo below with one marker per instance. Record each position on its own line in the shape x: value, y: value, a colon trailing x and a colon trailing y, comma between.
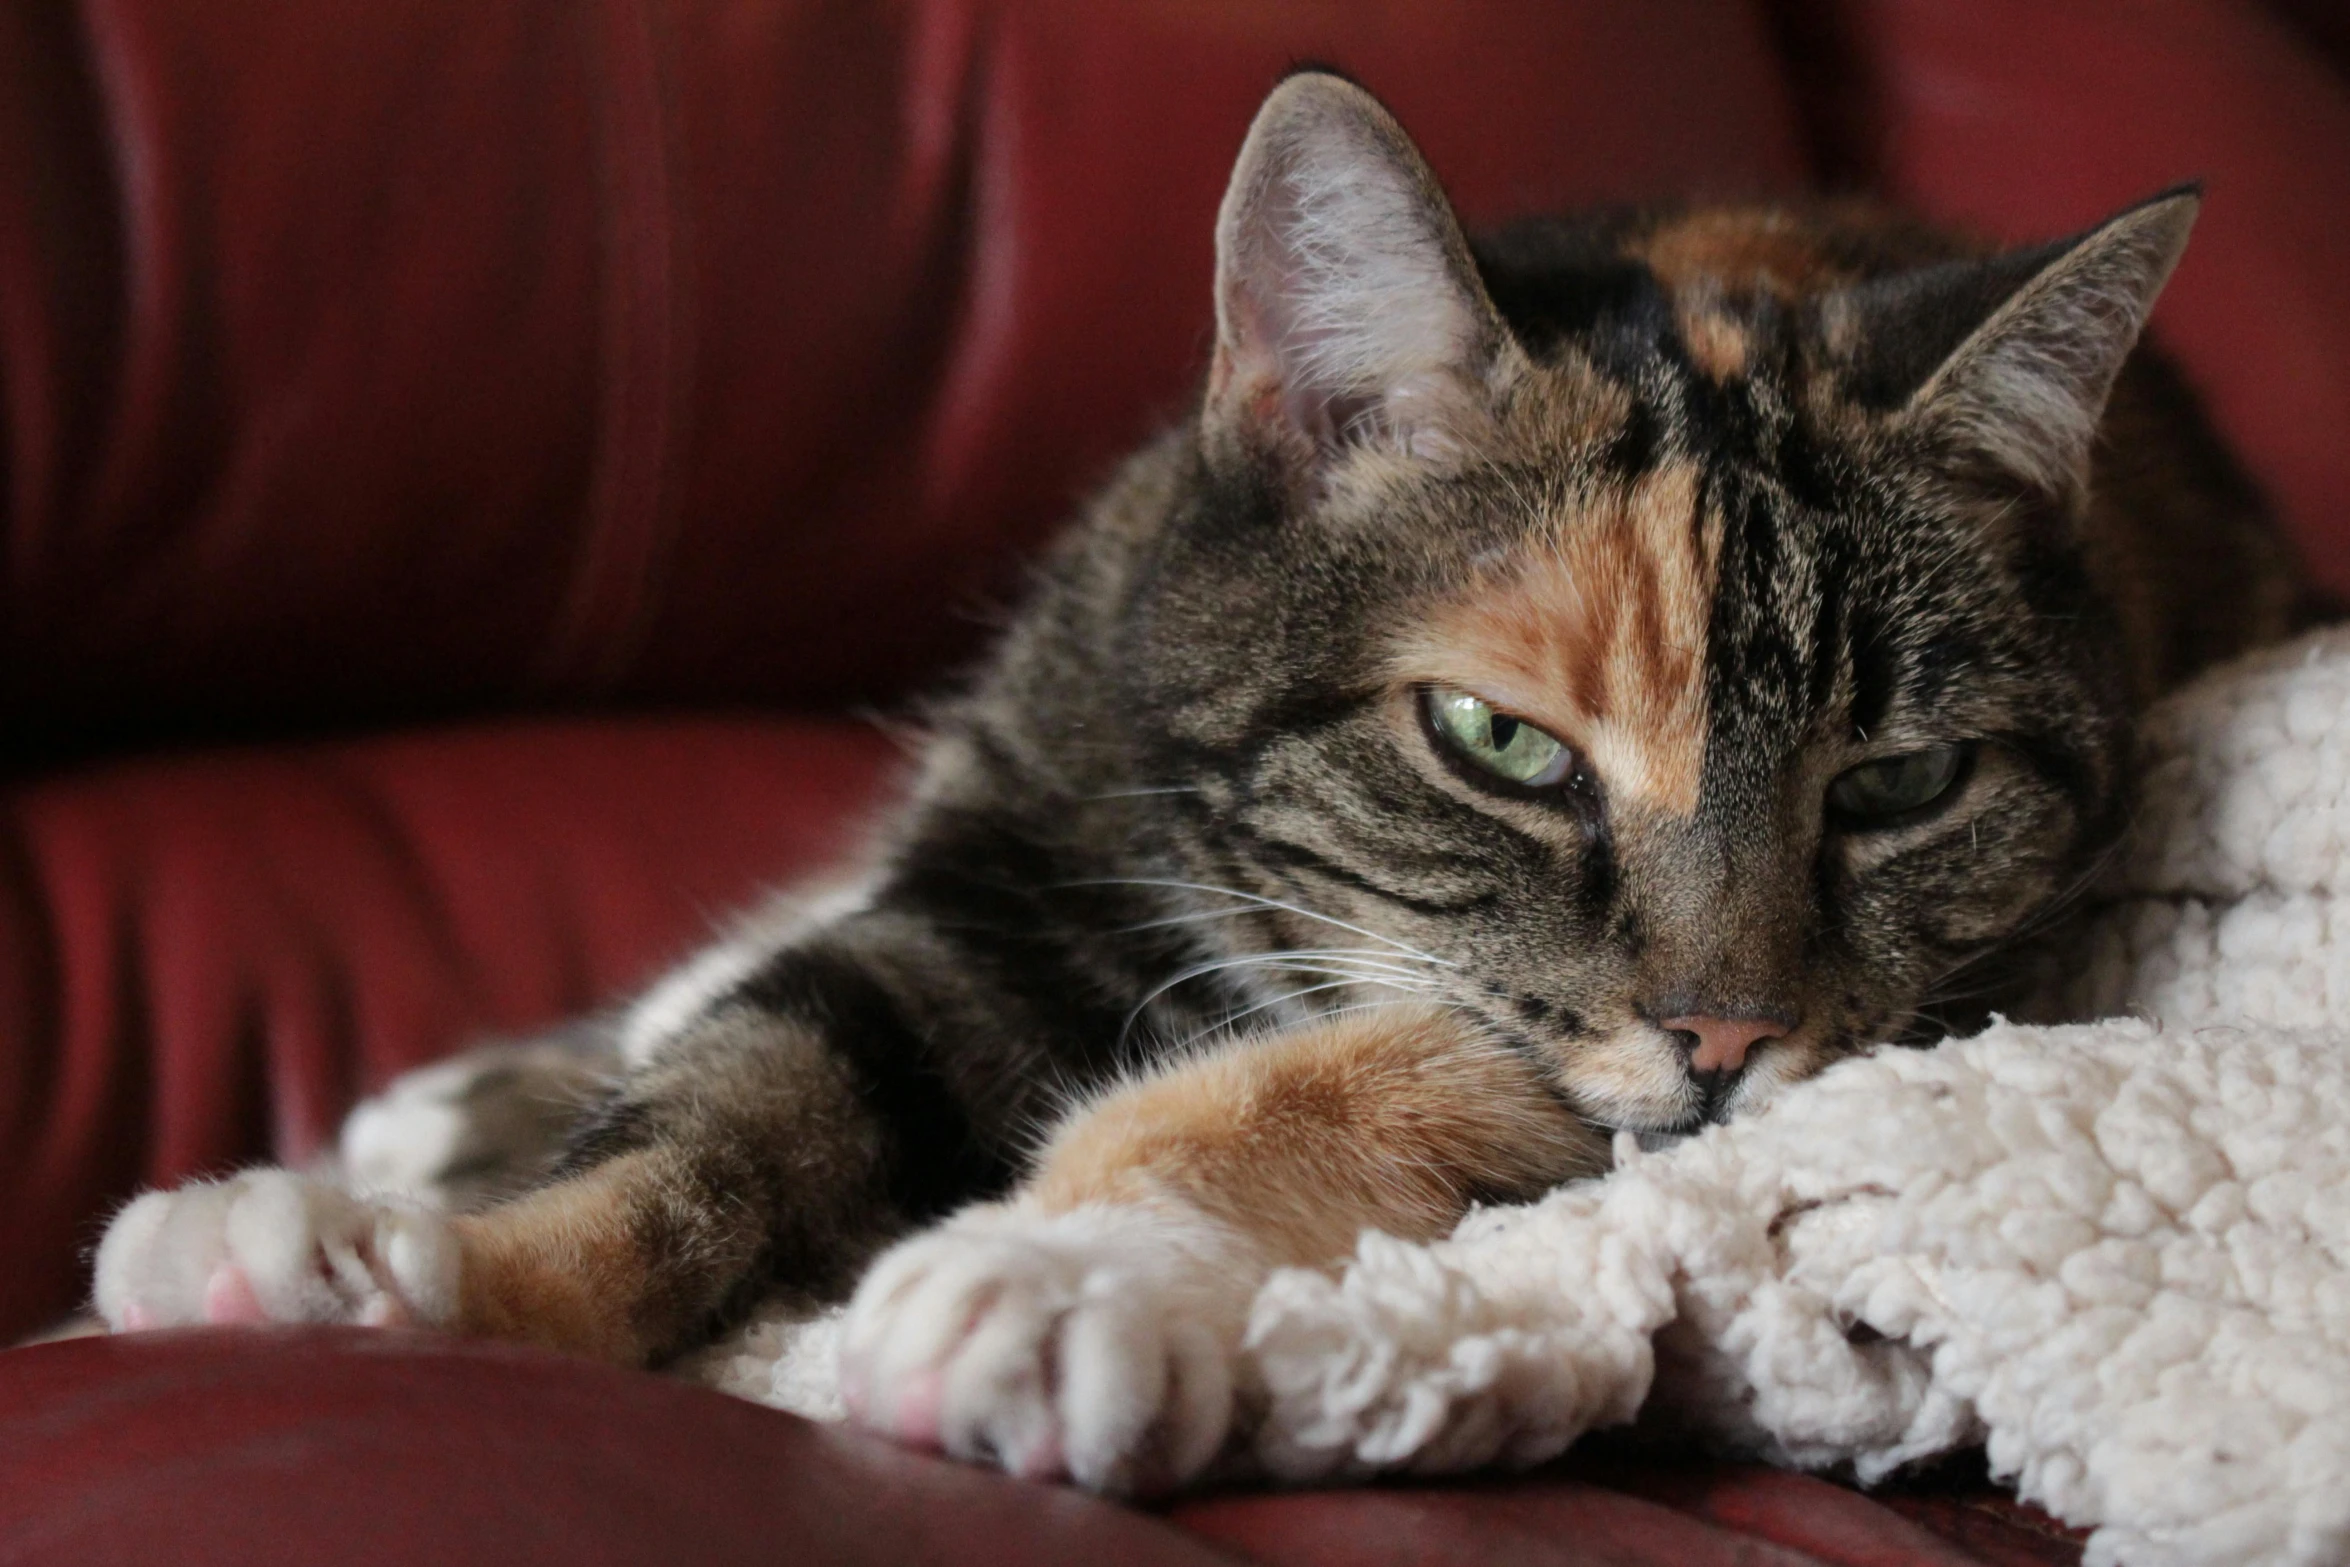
x: 365, y: 362
x: 362, y: 363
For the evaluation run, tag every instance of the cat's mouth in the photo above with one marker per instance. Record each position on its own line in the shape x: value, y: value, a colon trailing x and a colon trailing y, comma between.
x: 1633, y: 1078
x: 1636, y: 1079
x: 1654, y: 1134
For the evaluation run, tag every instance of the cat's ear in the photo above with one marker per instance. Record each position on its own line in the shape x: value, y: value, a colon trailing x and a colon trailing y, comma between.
x: 1347, y: 308
x: 2009, y: 361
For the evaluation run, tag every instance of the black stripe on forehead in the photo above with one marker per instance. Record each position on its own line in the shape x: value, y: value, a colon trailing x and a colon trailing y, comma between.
x: 1847, y: 634
x: 1558, y: 281
x: 1717, y: 422
x: 1792, y: 618
x: 1635, y: 447
x: 1808, y: 618
x: 1761, y: 635
x: 1870, y: 656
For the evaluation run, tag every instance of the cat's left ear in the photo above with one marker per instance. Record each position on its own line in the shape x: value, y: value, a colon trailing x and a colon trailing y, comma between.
x: 2022, y: 348
x: 1348, y: 311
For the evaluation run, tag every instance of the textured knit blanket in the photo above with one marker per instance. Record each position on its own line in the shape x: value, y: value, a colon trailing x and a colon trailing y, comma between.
x: 2117, y: 1254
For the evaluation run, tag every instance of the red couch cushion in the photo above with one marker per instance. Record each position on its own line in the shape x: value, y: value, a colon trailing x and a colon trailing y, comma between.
x: 366, y: 360
x: 294, y: 1448
x: 258, y: 1448
x: 204, y: 960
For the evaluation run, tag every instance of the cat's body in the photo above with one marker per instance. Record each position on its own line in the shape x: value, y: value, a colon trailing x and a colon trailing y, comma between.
x: 1581, y: 687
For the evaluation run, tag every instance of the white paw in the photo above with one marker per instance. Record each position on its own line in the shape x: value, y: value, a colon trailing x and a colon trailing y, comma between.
x: 1096, y: 1345
x: 476, y: 1127
x: 272, y: 1246
x: 409, y: 1137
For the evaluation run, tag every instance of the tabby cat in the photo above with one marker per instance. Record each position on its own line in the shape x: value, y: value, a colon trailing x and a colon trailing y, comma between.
x: 1574, y: 683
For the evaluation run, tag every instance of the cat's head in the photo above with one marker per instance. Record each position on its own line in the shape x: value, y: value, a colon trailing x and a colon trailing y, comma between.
x: 1693, y: 652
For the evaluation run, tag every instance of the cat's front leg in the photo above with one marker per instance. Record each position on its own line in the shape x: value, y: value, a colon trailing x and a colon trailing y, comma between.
x: 1088, y: 1327
x: 752, y: 1148
x: 367, y: 1241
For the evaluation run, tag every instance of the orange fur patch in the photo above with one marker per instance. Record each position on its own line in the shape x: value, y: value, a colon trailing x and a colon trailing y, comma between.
x: 1738, y: 249
x: 1597, y: 635
x: 1717, y: 343
x: 562, y: 1267
x: 1395, y: 1120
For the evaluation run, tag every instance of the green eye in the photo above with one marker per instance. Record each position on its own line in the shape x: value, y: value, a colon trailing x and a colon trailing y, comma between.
x: 1897, y: 784
x: 1509, y: 748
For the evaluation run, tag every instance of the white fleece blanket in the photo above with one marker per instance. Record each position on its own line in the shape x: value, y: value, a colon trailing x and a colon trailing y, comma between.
x: 2116, y: 1253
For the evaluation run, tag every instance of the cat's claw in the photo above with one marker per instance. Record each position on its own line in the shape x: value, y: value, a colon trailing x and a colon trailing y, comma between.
x: 1095, y: 1345
x: 273, y: 1246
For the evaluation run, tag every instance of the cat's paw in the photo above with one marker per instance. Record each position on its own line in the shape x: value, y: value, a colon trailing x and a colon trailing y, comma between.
x: 1096, y: 1345
x: 464, y: 1132
x: 273, y: 1246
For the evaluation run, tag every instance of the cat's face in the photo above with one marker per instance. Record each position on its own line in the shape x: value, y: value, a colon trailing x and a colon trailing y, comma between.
x: 1700, y: 690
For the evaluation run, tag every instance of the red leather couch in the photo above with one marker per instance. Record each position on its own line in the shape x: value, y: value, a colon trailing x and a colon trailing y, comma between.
x: 467, y: 466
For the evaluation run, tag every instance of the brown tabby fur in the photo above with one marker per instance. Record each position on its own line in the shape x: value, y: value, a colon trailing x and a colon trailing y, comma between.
x: 1730, y: 500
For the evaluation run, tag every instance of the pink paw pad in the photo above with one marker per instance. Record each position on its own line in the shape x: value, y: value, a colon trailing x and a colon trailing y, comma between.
x: 1044, y: 1461
x: 229, y: 1297
x: 920, y: 1409
x: 853, y: 1390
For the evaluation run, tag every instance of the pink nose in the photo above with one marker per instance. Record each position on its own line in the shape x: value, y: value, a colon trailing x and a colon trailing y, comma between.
x: 1722, y: 1042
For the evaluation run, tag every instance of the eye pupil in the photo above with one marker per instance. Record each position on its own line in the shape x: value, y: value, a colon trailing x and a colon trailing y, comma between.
x: 1497, y: 745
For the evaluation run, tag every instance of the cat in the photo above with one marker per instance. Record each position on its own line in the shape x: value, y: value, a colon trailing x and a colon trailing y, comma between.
x: 1574, y: 684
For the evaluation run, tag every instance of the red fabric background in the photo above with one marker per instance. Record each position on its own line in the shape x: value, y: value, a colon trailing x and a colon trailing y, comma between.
x: 405, y: 360
x: 332, y: 1445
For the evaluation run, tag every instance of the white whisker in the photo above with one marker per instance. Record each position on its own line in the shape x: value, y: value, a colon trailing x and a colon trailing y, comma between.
x: 1200, y: 916
x: 1265, y: 903
x: 1341, y: 968
x: 1322, y: 1016
x: 1359, y: 957
x: 1309, y: 990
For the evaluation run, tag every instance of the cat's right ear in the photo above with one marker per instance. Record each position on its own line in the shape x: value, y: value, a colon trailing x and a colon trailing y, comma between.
x: 1348, y: 311
x: 2008, y: 361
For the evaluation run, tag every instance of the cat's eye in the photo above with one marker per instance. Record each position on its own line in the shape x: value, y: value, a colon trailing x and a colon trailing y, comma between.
x: 1896, y: 785
x: 1494, y: 742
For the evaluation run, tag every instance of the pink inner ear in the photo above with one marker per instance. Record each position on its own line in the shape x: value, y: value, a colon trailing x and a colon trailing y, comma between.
x: 1251, y: 376
x: 1277, y: 352
x: 1262, y: 376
